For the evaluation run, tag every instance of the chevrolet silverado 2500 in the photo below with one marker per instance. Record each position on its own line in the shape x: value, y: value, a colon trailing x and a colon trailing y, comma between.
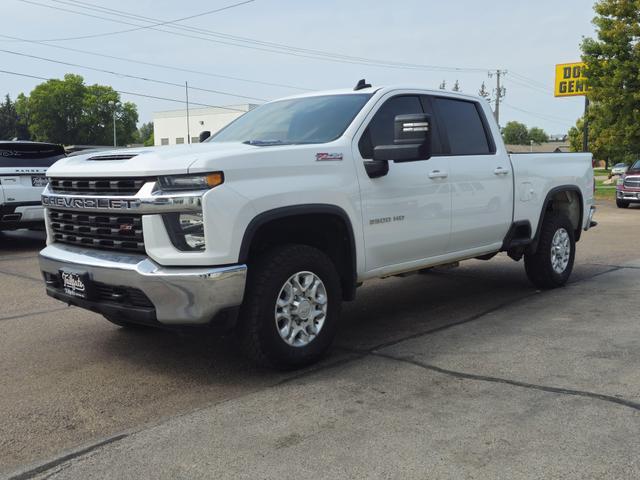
x: 275, y: 220
x: 22, y: 179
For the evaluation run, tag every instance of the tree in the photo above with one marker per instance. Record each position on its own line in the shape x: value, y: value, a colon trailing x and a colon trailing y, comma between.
x: 145, y: 134
x: 68, y: 111
x: 613, y: 69
x: 8, y: 119
x: 537, y: 135
x: 483, y: 92
x: 456, y: 87
x: 515, y: 133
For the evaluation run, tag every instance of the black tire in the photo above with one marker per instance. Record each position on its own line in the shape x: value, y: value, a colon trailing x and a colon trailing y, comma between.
x: 621, y: 203
x: 538, y: 265
x: 257, y: 331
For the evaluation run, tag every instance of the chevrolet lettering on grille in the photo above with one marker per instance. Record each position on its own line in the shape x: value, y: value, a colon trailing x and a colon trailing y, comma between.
x: 88, y: 203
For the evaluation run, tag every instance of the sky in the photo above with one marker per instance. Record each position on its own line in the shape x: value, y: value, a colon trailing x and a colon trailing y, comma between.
x: 468, y: 38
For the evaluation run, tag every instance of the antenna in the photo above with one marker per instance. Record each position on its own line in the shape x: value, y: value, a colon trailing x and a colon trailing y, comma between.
x: 361, y: 85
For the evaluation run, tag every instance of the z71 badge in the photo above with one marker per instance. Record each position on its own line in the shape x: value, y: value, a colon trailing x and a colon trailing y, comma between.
x: 328, y: 157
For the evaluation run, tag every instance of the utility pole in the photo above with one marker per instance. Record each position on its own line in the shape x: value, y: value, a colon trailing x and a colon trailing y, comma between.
x: 186, y: 91
x: 585, y: 135
x: 115, y: 106
x: 500, y: 92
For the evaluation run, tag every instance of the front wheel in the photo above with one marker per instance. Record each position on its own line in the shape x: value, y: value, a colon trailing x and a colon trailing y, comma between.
x: 621, y: 203
x: 551, y: 265
x: 291, y: 308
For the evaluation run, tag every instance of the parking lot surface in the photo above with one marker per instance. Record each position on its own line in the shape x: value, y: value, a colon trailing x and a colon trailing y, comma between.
x: 460, y: 373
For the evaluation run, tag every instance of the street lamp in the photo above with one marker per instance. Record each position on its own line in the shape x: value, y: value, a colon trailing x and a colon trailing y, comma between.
x: 114, y: 106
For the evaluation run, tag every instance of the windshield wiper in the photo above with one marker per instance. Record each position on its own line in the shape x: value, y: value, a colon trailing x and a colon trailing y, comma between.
x: 264, y: 143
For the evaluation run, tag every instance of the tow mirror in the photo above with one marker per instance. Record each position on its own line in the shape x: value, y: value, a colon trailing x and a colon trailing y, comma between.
x: 204, y: 135
x: 412, y: 140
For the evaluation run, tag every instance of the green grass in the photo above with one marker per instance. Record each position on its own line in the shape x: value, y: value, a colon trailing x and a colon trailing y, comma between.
x: 605, y: 193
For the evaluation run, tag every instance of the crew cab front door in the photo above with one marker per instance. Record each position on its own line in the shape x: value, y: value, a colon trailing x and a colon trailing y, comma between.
x: 407, y: 212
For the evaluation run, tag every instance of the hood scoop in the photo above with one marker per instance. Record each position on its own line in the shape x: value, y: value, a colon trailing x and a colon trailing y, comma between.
x: 113, y: 156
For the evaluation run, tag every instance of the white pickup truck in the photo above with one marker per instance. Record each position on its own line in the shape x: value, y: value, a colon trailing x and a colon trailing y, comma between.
x: 22, y: 178
x: 271, y: 223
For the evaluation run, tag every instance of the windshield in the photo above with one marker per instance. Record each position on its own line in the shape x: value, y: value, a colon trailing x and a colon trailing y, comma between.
x: 620, y: 165
x: 636, y: 165
x: 299, y: 120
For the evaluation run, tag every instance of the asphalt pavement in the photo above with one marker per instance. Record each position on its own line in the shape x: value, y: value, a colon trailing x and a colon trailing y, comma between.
x: 460, y: 373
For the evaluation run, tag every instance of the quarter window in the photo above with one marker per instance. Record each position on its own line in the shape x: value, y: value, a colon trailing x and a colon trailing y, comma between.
x: 464, y: 126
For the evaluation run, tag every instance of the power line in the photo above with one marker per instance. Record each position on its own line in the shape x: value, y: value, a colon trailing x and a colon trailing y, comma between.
x: 126, y: 75
x: 530, y: 80
x: 124, y: 92
x: 160, y: 23
x: 254, y: 44
x: 531, y: 87
x: 548, y: 118
x: 156, y: 65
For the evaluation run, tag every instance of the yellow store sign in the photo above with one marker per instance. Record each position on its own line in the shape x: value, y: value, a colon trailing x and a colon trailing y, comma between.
x: 571, y: 80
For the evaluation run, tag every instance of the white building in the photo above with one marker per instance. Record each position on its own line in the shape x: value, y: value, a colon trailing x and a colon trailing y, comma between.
x: 170, y: 127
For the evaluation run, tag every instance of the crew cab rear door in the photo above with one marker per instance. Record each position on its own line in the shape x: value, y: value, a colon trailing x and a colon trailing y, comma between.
x: 481, y: 177
x: 407, y: 211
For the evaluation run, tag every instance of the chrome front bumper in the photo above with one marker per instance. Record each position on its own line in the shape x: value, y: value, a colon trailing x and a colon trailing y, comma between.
x: 180, y: 295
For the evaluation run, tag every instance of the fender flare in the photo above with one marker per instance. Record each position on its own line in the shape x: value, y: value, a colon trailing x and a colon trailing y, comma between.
x: 545, y: 205
x: 295, y: 210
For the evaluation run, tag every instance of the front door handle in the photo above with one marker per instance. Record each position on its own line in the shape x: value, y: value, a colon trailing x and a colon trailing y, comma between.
x: 438, y: 174
x: 501, y: 171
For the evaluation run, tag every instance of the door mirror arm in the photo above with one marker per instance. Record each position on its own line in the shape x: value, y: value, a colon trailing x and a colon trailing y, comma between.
x: 376, y: 168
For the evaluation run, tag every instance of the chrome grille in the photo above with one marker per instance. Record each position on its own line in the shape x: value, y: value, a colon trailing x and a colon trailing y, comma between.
x: 632, y: 182
x: 97, y: 186
x: 112, y: 232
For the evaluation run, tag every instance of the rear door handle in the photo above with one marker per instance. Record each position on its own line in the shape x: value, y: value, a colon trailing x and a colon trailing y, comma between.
x: 438, y: 174
x: 501, y: 171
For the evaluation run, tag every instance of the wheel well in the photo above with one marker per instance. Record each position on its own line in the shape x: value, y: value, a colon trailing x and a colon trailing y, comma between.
x: 328, y: 232
x: 567, y: 200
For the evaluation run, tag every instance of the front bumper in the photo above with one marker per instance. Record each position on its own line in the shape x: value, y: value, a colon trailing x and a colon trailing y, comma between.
x: 177, y: 295
x: 628, y: 196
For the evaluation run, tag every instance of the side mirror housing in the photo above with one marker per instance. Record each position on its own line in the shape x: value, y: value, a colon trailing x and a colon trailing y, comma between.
x: 204, y: 135
x: 412, y: 140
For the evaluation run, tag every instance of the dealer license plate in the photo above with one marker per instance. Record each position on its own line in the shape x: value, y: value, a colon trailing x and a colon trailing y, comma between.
x: 39, y: 181
x: 75, y: 284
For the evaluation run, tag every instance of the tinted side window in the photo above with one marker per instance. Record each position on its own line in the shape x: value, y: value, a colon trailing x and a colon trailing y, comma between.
x: 436, y: 131
x: 464, y: 126
x: 381, y: 128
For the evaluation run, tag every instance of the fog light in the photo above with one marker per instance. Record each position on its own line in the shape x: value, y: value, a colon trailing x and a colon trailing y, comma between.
x: 186, y: 230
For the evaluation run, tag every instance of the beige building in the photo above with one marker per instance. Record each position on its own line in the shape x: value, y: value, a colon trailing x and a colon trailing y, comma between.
x: 170, y: 127
x: 548, y: 147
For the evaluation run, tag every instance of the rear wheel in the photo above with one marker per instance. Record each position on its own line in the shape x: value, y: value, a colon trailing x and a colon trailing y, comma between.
x: 290, y: 313
x: 622, y: 203
x: 551, y: 265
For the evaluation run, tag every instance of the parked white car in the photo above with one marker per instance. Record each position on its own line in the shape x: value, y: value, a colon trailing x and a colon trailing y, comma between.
x: 619, y: 169
x: 23, y: 166
x: 274, y: 221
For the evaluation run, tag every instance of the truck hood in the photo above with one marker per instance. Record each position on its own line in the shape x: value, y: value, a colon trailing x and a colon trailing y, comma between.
x: 146, y: 162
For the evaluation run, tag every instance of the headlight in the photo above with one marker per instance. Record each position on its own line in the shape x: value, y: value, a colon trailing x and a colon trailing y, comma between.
x: 186, y: 231
x: 191, y: 182
x: 620, y: 180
